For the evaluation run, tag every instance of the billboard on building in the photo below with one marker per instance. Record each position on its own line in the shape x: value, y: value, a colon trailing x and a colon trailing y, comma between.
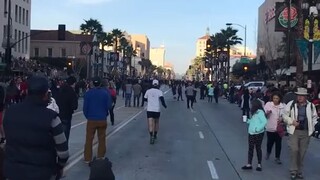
x: 282, y: 17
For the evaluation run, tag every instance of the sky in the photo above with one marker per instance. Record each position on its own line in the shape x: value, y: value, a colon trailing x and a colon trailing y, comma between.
x: 175, y: 23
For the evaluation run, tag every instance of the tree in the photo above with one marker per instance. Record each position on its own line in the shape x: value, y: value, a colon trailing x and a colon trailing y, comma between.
x: 91, y: 26
x: 145, y: 65
x: 117, y: 35
x: 238, y: 69
x: 160, y: 71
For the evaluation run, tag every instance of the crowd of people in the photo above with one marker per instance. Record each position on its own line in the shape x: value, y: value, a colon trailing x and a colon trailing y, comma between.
x: 49, y: 104
x: 276, y: 112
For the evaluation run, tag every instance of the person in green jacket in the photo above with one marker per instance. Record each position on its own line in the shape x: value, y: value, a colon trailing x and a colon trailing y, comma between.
x: 256, y: 130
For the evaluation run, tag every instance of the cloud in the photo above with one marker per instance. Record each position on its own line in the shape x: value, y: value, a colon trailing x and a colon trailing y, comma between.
x: 89, y: 1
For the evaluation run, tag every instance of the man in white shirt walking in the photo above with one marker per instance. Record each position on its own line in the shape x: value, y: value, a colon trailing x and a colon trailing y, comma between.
x: 153, y: 97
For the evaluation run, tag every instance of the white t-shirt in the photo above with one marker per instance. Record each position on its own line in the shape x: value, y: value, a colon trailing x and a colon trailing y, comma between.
x: 153, y: 95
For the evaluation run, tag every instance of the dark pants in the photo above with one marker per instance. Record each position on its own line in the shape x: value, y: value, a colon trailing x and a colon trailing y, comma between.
x: 274, y: 138
x: 246, y: 111
x: 255, y: 141
x: 142, y: 98
x: 202, y: 94
x: 111, y: 114
x: 190, y: 99
x: 216, y: 97
x: 210, y: 98
x: 66, y: 127
x: 180, y: 96
x: 136, y: 100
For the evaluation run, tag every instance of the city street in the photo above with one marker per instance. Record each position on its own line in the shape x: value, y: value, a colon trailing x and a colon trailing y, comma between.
x: 209, y: 142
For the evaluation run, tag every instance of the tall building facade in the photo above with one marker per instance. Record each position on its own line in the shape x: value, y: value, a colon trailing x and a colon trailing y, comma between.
x: 157, y: 56
x: 20, y: 27
x: 141, y: 44
x: 201, y: 44
x: 268, y: 41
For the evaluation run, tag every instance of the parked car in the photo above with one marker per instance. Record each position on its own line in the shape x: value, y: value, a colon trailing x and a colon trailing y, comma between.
x: 254, y: 85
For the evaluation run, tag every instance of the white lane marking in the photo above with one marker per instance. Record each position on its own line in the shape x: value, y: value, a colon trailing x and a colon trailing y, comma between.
x: 201, y: 135
x: 79, y: 124
x: 213, y: 170
x: 75, y: 161
x: 77, y: 113
x: 195, y: 119
x: 197, y: 125
x: 119, y: 107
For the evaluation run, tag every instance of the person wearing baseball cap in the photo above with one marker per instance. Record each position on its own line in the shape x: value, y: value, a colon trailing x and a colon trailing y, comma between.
x: 153, y: 97
x: 301, y: 117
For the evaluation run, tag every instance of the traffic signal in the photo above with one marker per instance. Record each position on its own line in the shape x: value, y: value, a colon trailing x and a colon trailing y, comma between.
x: 209, y: 44
x: 245, y: 68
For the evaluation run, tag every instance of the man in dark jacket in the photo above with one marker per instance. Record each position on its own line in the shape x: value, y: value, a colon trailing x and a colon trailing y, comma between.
x: 96, y: 105
x: 36, y: 147
x: 67, y: 101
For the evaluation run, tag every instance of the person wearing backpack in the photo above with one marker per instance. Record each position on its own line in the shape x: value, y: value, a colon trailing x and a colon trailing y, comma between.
x: 301, y: 117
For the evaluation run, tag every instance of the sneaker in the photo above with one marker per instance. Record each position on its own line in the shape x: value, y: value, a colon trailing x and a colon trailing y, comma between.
x: 259, y: 169
x: 246, y: 167
x: 293, y: 176
x: 278, y: 161
x: 300, y: 176
x: 151, y: 140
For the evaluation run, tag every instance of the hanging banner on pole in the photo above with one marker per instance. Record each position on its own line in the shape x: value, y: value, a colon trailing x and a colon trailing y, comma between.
x: 302, y: 45
x: 282, y: 17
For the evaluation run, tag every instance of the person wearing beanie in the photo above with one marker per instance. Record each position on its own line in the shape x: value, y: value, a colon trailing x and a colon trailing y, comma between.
x: 36, y: 146
x: 96, y: 106
x: 67, y: 101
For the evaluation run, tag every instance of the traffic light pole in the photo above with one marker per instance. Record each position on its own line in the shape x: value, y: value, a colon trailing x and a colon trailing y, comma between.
x: 8, y: 48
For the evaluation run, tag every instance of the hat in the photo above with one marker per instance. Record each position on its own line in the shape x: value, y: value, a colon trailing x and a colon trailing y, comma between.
x: 37, y: 85
x: 96, y: 81
x: 302, y: 92
x: 155, y: 82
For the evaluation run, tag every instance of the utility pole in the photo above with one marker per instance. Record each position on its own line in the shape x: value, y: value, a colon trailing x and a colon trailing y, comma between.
x: 8, y: 48
x: 288, y: 44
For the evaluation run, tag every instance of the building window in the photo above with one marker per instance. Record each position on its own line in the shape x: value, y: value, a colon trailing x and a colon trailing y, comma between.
x: 20, y: 14
x: 63, y: 52
x: 15, y: 39
x: 27, y: 36
x: 19, y: 43
x: 22, y: 42
x: 36, y: 52
x: 27, y: 18
x: 23, y: 16
x: 49, y: 52
x: 16, y: 13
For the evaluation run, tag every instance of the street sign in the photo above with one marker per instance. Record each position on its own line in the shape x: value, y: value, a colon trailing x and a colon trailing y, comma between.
x: 244, y: 60
x: 85, y: 48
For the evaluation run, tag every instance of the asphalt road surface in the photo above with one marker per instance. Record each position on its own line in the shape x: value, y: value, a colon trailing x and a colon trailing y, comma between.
x: 206, y: 143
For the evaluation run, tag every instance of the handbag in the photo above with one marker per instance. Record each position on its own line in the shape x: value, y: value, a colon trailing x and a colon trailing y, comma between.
x: 281, y: 129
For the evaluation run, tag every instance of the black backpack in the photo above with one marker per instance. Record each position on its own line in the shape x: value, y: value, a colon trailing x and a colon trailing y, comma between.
x: 101, y: 169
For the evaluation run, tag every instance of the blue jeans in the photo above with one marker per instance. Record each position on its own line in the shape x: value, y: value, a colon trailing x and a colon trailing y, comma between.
x: 128, y: 100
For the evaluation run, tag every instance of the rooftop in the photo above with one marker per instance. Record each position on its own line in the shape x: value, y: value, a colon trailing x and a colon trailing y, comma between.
x: 52, y: 35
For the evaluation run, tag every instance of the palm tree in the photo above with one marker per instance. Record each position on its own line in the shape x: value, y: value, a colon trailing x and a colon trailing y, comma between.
x: 117, y: 35
x: 105, y: 39
x: 230, y: 39
x: 160, y: 71
x: 91, y: 26
x: 145, y: 65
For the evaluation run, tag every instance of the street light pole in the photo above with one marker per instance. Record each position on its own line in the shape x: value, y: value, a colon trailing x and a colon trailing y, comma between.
x: 8, y: 48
